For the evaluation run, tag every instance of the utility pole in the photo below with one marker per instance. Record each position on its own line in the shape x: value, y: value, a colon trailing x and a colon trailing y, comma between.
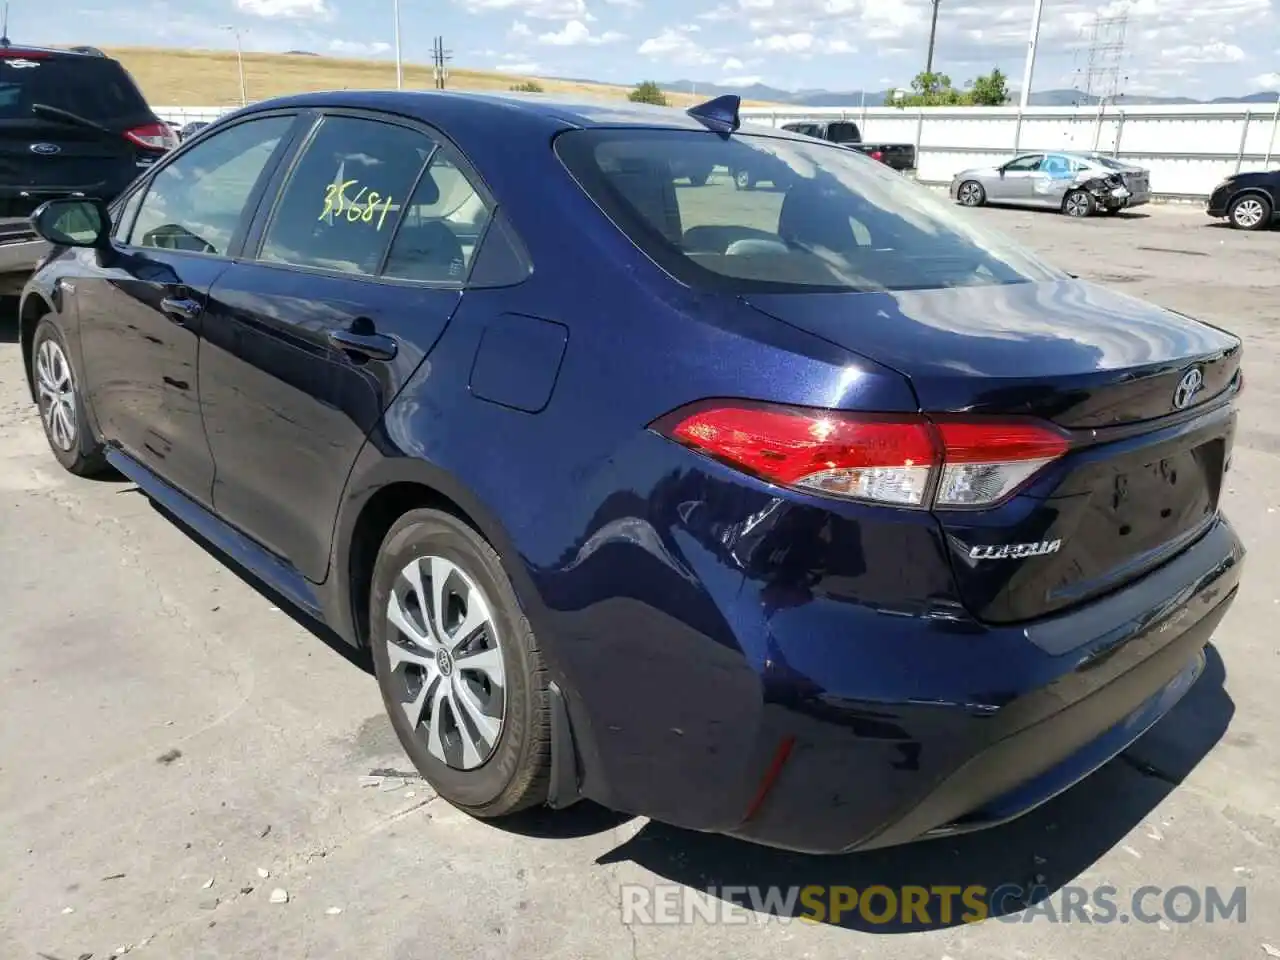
x: 1025, y: 96
x: 395, y: 12
x: 933, y: 32
x: 440, y: 58
x: 244, y: 93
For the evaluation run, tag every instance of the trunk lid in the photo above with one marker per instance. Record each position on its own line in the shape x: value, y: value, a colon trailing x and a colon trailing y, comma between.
x: 1142, y: 479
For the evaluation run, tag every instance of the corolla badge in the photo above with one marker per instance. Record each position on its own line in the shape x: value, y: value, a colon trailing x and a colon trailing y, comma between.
x: 45, y: 149
x: 1014, y: 551
x: 1187, y: 389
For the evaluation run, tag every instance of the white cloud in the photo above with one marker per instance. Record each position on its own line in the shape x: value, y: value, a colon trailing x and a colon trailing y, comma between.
x: 1216, y: 52
x: 785, y: 42
x: 358, y: 48
x: 537, y: 9
x: 630, y: 4
x: 731, y: 63
x: 575, y: 34
x: 290, y: 9
x: 676, y: 46
x: 519, y: 31
x: 1267, y: 81
x: 721, y: 12
x: 741, y: 81
x: 519, y: 66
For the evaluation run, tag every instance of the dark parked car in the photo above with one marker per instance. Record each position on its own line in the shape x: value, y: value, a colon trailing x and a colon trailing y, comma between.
x: 1248, y: 201
x: 189, y: 130
x: 899, y: 156
x: 825, y: 519
x: 71, y: 123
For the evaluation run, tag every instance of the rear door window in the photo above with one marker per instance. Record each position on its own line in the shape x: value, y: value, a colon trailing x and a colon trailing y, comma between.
x: 196, y: 203
x: 94, y: 88
x: 338, y: 211
x: 1024, y: 164
x: 441, y: 227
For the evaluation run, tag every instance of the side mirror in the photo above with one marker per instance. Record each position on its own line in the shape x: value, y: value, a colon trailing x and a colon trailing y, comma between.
x: 73, y: 222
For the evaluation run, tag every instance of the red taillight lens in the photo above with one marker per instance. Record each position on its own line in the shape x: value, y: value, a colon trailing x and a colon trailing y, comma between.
x: 153, y: 136
x: 10, y: 53
x: 986, y: 462
x: 877, y: 155
x: 882, y: 458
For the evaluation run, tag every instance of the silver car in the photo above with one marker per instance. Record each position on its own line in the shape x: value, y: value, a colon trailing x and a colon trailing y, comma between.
x: 1078, y: 184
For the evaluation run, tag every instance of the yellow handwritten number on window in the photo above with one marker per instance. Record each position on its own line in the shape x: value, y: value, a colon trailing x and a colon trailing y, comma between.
x: 336, y: 203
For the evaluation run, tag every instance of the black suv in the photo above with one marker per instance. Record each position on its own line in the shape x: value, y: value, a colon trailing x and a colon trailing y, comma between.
x: 71, y: 122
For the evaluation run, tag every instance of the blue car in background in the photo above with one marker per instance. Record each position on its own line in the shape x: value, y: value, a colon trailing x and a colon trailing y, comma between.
x: 818, y: 516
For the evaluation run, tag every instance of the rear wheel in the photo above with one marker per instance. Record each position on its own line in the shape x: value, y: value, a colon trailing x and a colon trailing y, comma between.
x: 1249, y: 212
x: 458, y: 665
x: 1079, y: 203
x: 699, y: 178
x: 971, y: 194
x: 743, y: 180
x: 61, y: 406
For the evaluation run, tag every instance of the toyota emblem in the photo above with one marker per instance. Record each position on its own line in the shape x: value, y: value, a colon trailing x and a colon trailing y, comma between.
x: 1188, y: 387
x: 45, y: 149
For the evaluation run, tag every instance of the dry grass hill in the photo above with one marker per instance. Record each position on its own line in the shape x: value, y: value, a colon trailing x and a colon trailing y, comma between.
x: 210, y: 77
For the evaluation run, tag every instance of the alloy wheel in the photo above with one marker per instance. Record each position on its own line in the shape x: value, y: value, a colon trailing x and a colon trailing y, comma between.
x: 1247, y: 213
x: 970, y: 194
x: 1077, y: 204
x: 446, y: 661
x: 57, y: 395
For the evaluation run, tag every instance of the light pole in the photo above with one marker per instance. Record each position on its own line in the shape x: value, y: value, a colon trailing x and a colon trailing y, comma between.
x: 395, y: 13
x: 1031, y: 56
x: 244, y: 94
x: 933, y: 32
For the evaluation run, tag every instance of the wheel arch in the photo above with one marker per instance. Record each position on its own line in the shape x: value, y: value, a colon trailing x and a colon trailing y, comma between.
x: 31, y: 311
x: 1258, y: 192
x: 378, y: 495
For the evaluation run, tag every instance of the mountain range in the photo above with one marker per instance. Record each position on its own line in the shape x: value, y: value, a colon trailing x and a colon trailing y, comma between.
x: 876, y: 98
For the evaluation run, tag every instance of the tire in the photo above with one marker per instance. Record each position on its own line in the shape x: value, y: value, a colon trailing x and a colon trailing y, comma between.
x: 743, y: 180
x: 1079, y: 203
x: 1249, y: 212
x: 699, y: 179
x: 61, y: 405
x: 484, y: 771
x: 971, y: 194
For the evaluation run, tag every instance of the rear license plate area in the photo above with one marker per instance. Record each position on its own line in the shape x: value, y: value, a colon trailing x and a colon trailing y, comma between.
x: 1154, y: 503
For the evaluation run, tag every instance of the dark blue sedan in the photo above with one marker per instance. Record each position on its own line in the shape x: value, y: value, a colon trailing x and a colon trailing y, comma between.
x: 815, y: 514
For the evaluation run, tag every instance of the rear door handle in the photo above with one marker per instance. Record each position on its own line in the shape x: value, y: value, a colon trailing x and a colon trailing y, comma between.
x: 375, y: 346
x: 181, y: 309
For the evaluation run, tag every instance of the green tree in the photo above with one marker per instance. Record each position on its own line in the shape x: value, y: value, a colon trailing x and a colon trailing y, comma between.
x: 527, y: 86
x: 648, y: 92
x: 932, y: 90
x: 990, y: 89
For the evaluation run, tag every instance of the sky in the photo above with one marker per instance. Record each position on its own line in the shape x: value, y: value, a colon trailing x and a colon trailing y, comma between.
x: 1174, y: 47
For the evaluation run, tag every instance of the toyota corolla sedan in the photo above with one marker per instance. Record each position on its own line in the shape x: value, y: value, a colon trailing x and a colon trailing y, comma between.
x: 821, y: 517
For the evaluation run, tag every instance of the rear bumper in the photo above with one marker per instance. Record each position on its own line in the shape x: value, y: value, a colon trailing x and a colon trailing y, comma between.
x: 18, y: 257
x: 1067, y: 695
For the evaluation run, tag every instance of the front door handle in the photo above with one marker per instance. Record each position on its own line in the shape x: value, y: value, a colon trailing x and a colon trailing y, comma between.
x: 375, y: 346
x: 181, y: 309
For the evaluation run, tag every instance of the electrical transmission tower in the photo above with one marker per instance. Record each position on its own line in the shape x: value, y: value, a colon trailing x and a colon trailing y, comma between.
x: 1104, y: 72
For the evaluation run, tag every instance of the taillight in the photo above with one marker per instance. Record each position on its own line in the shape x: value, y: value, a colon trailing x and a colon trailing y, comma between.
x: 153, y: 136
x: 12, y: 53
x: 898, y: 459
x: 877, y: 155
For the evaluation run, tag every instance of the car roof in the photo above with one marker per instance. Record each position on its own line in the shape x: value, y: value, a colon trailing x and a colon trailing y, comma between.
x: 441, y: 107
x: 17, y: 50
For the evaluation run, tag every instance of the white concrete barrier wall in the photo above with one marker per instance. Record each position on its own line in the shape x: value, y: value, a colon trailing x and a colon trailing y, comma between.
x: 1188, y: 149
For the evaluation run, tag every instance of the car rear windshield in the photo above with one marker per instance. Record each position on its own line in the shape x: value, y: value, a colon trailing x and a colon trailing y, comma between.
x: 753, y: 212
x: 95, y: 88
